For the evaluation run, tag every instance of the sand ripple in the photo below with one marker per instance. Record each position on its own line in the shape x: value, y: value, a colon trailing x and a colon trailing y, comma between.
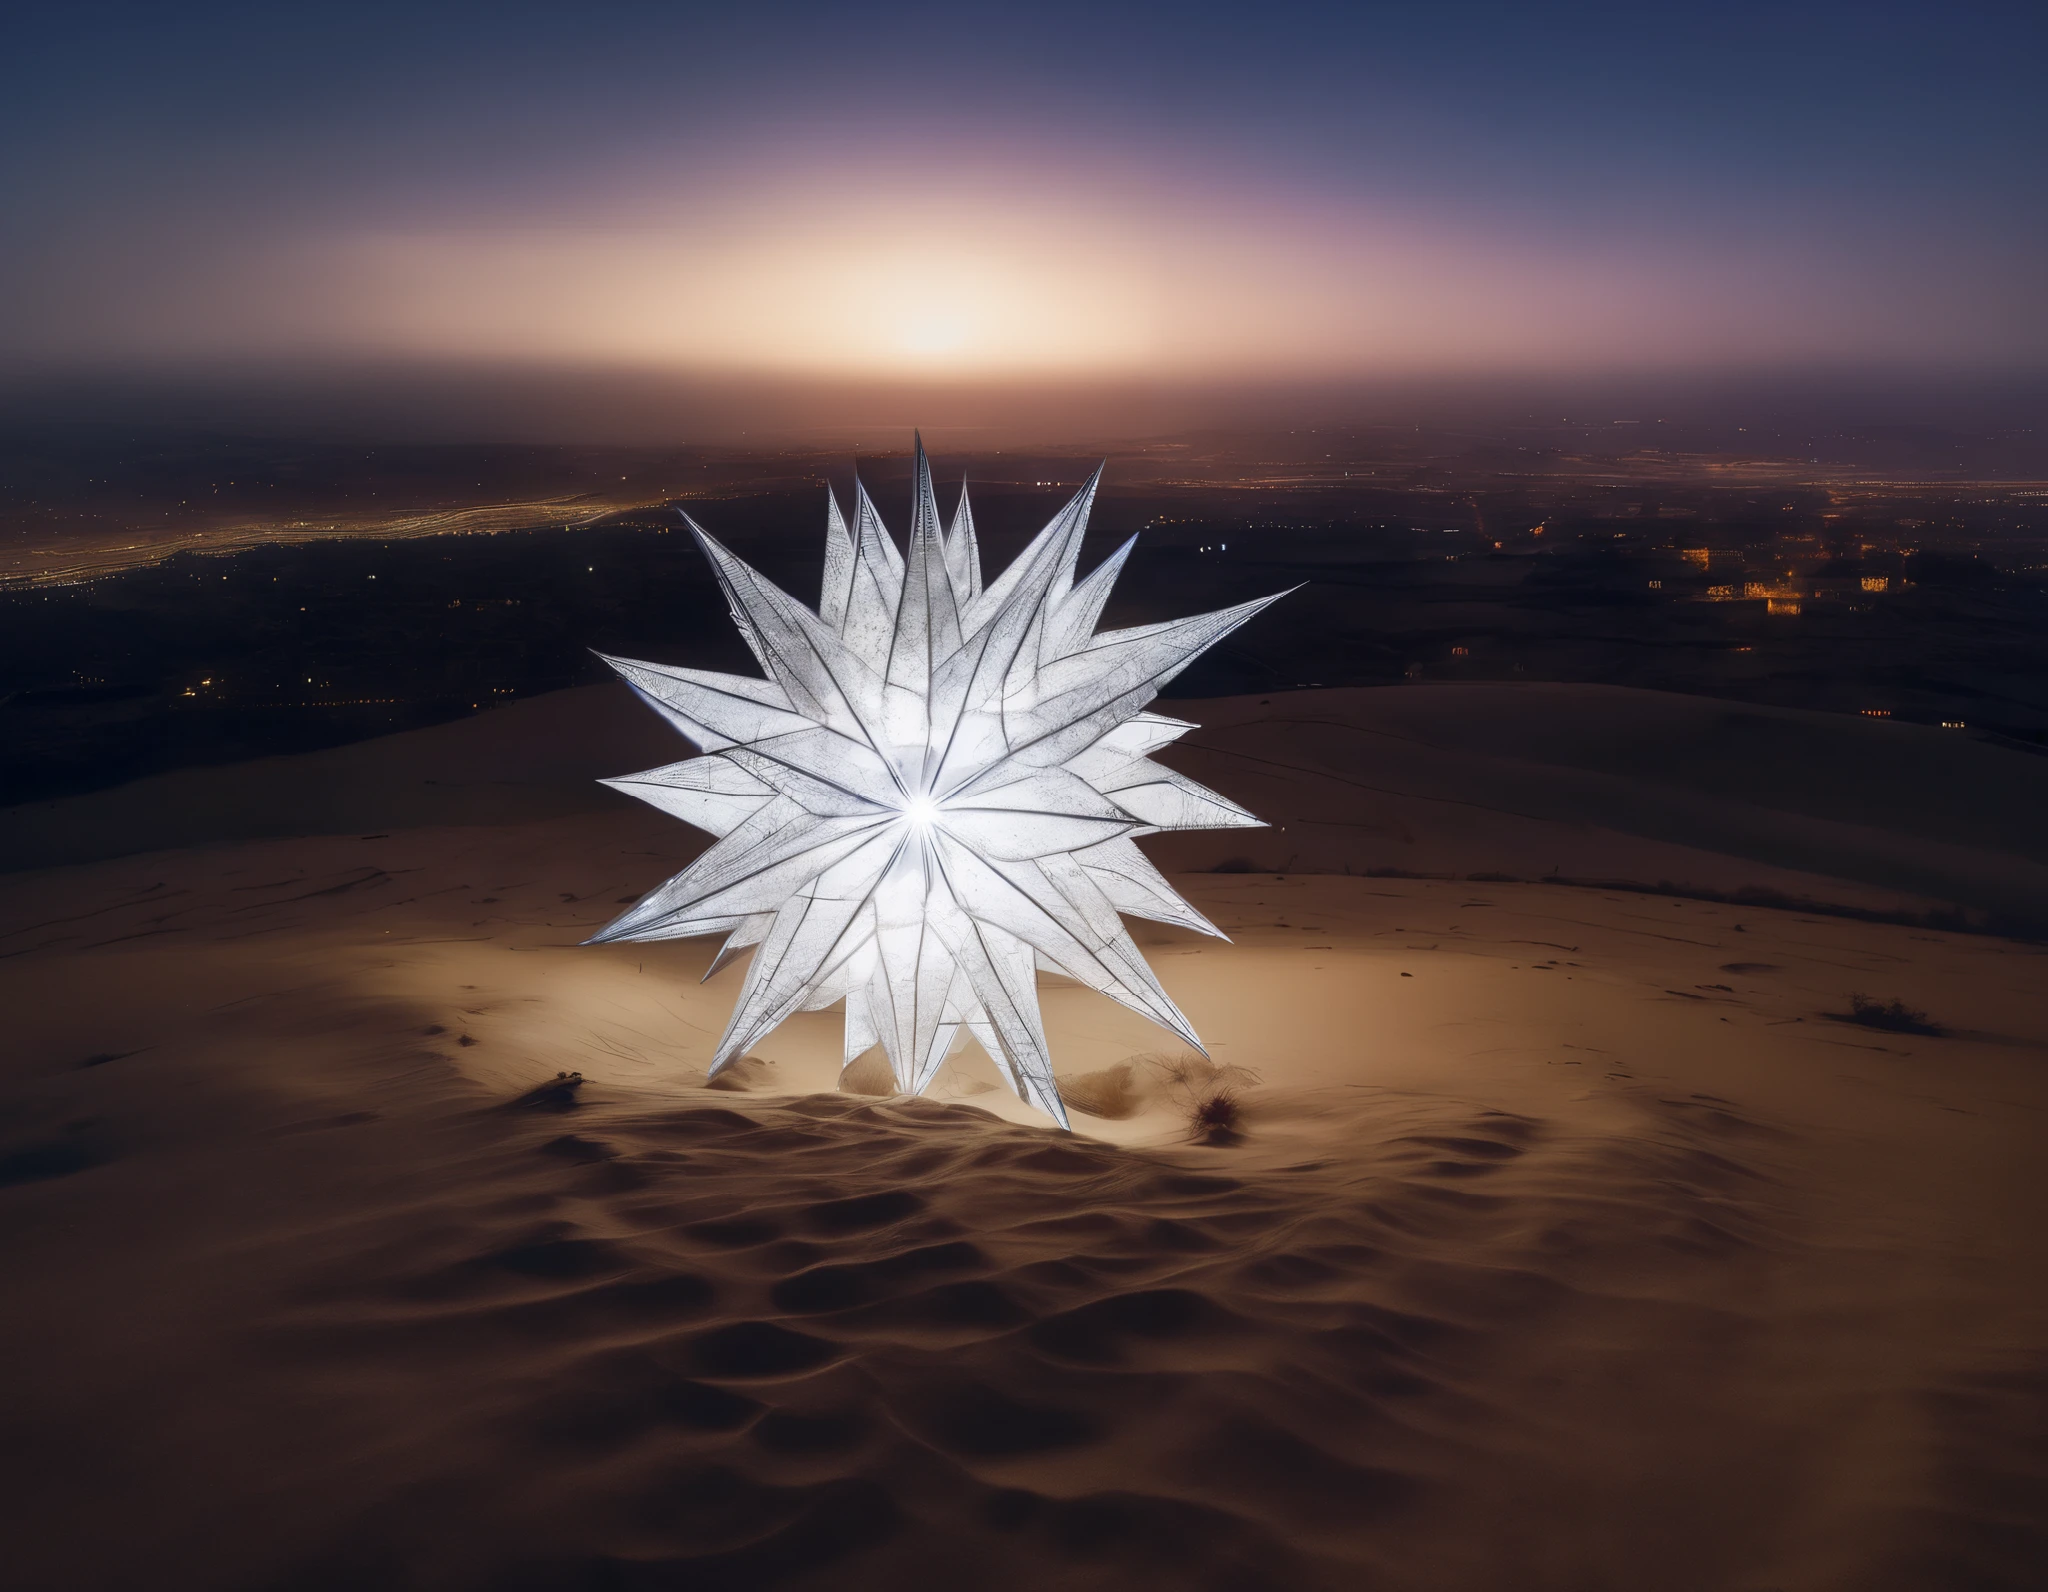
x: 826, y: 1341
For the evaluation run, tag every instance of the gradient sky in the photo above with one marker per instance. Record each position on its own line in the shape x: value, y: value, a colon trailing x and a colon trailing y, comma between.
x: 1272, y: 190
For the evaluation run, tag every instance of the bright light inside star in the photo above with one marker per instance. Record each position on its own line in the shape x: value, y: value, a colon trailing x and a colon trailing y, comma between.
x: 922, y: 812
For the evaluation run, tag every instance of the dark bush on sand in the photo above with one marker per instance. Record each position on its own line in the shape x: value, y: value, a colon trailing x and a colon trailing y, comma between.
x: 1214, y: 1118
x: 1894, y: 1016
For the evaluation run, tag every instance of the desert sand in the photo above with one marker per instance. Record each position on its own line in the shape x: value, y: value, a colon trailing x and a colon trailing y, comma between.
x: 1571, y: 1237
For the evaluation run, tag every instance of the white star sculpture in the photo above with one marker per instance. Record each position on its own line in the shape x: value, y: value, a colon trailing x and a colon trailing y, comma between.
x: 935, y: 792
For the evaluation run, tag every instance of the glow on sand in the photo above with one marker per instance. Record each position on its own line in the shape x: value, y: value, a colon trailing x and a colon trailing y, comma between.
x: 936, y: 792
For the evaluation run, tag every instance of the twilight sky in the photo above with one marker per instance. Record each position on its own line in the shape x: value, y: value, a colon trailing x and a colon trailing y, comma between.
x: 1278, y: 190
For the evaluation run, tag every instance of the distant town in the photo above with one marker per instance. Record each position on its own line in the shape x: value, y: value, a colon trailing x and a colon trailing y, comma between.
x: 229, y: 633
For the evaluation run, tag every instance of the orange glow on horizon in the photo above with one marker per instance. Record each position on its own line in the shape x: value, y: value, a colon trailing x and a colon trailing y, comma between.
x: 1008, y: 276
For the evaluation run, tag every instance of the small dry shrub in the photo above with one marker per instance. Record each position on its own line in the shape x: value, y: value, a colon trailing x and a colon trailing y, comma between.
x: 1209, y: 1095
x: 557, y: 1094
x: 1214, y: 1118
x: 1893, y: 1016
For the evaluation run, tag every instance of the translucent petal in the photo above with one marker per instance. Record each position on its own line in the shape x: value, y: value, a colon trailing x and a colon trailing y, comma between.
x: 748, y: 933
x: 1168, y: 800
x: 806, y: 942
x: 713, y: 793
x: 1086, y: 693
x: 998, y: 968
x: 714, y: 710
x: 963, y: 553
x: 1018, y: 898
x: 1035, y: 811
x: 828, y: 773
x: 1126, y: 876
x: 837, y: 587
x: 927, y: 628
x: 1054, y: 551
x: 1136, y: 737
x: 1073, y: 617
x: 877, y: 586
x: 861, y: 1036
x: 758, y: 866
x: 821, y: 677
x: 1001, y: 634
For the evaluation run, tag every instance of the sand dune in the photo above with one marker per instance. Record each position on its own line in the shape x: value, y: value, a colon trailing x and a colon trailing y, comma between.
x: 1536, y: 781
x: 1607, y: 782
x: 1569, y: 1241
